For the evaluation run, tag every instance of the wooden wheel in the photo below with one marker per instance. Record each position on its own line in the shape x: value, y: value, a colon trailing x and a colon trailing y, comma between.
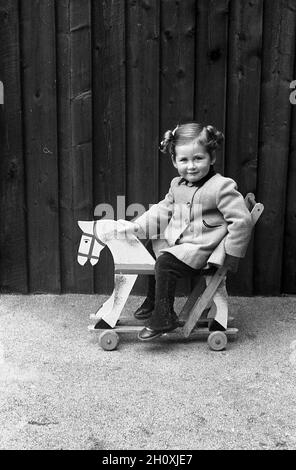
x: 109, y: 340
x: 217, y: 340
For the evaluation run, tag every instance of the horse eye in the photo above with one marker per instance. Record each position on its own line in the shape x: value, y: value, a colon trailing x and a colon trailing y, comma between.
x: 86, y: 241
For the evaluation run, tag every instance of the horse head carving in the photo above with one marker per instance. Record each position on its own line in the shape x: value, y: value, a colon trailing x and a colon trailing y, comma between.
x: 129, y: 255
x: 90, y: 246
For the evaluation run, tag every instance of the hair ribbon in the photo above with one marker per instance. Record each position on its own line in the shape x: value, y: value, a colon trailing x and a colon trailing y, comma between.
x: 173, y: 132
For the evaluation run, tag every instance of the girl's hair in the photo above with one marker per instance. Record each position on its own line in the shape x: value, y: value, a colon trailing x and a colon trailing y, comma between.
x: 208, y: 136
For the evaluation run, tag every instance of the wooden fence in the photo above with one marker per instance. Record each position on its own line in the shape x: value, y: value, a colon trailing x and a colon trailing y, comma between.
x: 90, y: 87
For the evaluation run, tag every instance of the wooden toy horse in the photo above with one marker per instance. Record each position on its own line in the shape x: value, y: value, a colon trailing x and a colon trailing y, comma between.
x: 130, y: 259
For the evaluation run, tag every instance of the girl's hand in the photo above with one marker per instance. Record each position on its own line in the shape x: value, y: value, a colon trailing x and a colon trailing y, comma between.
x: 127, y: 228
x: 231, y: 263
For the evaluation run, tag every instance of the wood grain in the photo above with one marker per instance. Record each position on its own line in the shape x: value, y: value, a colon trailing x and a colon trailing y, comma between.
x: 40, y: 132
x: 211, y: 66
x: 289, y: 254
x: 13, y: 237
x: 243, y: 104
x: 275, y: 109
x: 142, y: 94
x: 75, y: 136
x: 90, y: 88
x: 109, y: 84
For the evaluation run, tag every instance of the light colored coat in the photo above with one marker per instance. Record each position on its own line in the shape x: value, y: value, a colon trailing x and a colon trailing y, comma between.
x: 190, y: 222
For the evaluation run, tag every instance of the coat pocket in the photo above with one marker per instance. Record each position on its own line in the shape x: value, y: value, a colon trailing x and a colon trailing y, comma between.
x: 206, y: 224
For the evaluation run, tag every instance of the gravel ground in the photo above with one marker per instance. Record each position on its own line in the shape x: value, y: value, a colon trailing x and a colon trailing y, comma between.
x: 60, y: 390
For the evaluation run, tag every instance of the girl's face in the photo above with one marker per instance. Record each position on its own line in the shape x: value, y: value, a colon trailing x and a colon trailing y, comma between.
x: 192, y: 161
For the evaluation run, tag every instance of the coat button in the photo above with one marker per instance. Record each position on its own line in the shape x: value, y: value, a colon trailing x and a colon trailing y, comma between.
x: 188, y: 203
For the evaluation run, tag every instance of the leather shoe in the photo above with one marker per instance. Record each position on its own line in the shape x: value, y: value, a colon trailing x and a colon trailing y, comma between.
x: 144, y: 311
x: 147, y: 333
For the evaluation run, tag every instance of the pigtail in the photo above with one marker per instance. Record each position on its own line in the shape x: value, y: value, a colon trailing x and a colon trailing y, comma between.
x: 214, y: 137
x: 167, y: 144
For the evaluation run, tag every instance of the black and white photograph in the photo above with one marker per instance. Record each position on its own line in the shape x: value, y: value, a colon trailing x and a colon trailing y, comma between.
x: 147, y: 228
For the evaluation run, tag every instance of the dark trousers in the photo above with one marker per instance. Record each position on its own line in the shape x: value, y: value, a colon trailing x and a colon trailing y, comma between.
x: 162, y: 288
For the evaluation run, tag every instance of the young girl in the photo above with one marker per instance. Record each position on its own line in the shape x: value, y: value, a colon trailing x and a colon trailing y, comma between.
x: 200, y: 209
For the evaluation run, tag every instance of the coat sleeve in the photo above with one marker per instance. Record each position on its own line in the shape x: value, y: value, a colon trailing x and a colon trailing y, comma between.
x: 154, y: 221
x: 231, y: 204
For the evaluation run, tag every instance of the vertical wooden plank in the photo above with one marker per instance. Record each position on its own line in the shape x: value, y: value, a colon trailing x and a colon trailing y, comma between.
x: 211, y: 66
x: 243, y: 102
x: 74, y: 79
x: 142, y: 102
x: 277, y: 73
x: 289, y: 255
x: 13, y: 254
x: 177, y: 74
x: 177, y: 80
x: 40, y: 119
x: 109, y: 117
